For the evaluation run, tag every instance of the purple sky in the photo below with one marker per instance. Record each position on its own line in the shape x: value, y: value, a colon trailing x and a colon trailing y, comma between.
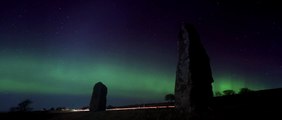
x: 63, y: 37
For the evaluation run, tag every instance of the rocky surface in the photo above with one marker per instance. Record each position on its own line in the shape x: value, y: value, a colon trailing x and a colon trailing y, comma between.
x: 193, y: 89
x: 99, y: 98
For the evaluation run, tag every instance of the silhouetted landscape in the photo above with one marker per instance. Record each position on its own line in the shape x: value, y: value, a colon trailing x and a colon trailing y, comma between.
x: 140, y: 60
x: 263, y: 104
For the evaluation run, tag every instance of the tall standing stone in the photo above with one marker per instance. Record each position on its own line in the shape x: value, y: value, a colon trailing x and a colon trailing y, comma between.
x: 193, y: 86
x: 99, y: 98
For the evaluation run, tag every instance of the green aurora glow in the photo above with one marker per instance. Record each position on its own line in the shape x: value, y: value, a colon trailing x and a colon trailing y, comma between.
x: 228, y: 82
x: 28, y: 74
x: 69, y: 76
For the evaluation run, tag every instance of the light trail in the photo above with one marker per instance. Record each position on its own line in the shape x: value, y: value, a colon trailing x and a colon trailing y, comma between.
x: 140, y: 108
x: 125, y: 108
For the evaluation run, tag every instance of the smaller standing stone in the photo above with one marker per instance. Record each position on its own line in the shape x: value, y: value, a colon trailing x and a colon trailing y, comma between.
x: 99, y: 98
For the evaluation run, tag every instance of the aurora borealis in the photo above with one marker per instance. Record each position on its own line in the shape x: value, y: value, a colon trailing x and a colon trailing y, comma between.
x: 54, y: 51
x: 29, y: 74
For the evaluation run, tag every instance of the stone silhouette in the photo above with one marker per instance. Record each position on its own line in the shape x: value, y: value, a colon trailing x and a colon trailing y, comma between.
x: 99, y: 98
x: 193, y: 86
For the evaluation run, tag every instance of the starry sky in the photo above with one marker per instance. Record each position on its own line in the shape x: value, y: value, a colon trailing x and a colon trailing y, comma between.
x: 54, y: 51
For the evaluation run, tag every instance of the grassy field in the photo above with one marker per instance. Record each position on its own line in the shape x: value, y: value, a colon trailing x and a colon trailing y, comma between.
x: 156, y: 114
x: 153, y: 114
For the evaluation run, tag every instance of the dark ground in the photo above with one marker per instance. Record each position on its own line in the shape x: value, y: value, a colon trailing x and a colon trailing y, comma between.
x: 265, y: 104
x: 156, y: 114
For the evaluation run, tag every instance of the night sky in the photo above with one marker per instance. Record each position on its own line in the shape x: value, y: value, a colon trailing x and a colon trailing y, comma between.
x: 54, y: 51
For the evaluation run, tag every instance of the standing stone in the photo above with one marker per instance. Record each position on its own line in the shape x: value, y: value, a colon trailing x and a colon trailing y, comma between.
x: 99, y: 98
x: 193, y: 89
